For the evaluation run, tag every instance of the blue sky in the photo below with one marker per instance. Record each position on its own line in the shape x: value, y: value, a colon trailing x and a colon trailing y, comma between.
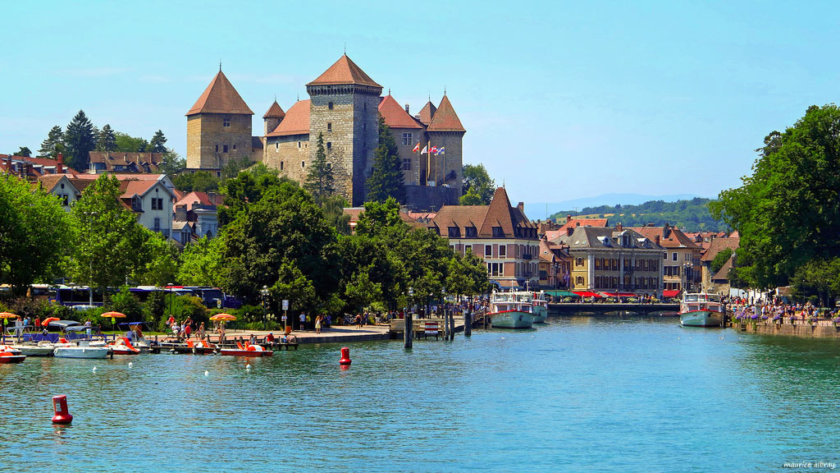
x: 561, y: 100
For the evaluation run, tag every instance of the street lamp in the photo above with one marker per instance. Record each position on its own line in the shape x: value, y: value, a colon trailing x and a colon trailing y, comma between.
x: 169, y: 286
x: 264, y: 293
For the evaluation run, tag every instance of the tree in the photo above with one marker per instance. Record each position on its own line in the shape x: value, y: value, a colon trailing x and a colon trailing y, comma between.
x: 387, y: 178
x: 477, y: 182
x: 108, y: 237
x: 201, y: 263
x: 130, y: 144
x: 820, y: 279
x: 472, y: 198
x: 158, y: 262
x: 23, y: 151
x: 319, y: 181
x: 79, y: 140
x: 107, y: 140
x: 199, y: 181
x: 171, y: 164
x: 54, y: 143
x: 333, y: 208
x: 787, y: 212
x: 235, y: 166
x: 247, y: 188
x: 34, y: 233
x: 158, y: 143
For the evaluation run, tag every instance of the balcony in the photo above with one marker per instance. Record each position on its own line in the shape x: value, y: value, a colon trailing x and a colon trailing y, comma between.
x: 526, y: 256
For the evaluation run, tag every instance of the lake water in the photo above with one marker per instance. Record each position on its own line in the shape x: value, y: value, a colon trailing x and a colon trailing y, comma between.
x: 581, y: 393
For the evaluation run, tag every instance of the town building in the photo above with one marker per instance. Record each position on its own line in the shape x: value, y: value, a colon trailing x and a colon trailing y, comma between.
x: 718, y: 281
x: 554, y: 265
x: 31, y: 169
x: 499, y: 234
x: 343, y: 109
x: 681, y: 264
x: 196, y: 216
x: 122, y: 162
x: 613, y: 260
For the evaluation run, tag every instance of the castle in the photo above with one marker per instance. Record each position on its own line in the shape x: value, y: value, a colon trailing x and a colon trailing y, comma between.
x: 344, y: 106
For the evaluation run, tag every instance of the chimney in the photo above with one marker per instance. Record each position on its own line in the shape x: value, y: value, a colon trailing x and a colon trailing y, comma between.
x: 406, y: 110
x: 568, y: 218
x: 59, y: 168
x: 570, y: 230
x: 181, y: 213
x: 521, y: 207
x: 656, y: 239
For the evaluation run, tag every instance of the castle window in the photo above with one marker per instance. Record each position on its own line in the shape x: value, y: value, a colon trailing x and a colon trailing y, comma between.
x: 330, y: 105
x: 329, y: 165
x: 329, y: 144
x: 217, y: 150
x: 329, y: 127
x: 234, y: 147
x: 303, y: 164
x: 281, y: 165
x: 224, y: 148
x: 226, y: 122
x: 276, y: 146
x: 407, y: 138
x: 298, y: 144
x: 406, y: 165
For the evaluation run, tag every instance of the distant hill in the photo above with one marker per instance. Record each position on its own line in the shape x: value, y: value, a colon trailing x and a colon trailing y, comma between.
x: 540, y: 210
x: 688, y: 215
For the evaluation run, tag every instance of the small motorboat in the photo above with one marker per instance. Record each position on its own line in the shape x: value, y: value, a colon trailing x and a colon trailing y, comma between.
x: 65, y: 349
x: 10, y: 355
x: 123, y: 346
x: 43, y: 348
x: 200, y: 348
x: 247, y: 350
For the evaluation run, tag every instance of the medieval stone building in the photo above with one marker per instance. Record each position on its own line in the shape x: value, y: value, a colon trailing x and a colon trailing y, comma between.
x: 343, y: 109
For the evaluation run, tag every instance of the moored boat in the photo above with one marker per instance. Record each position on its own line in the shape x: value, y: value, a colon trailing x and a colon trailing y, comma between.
x: 701, y: 310
x: 247, y: 350
x: 511, y: 310
x: 82, y: 350
x: 10, y: 355
x: 43, y: 348
x: 123, y: 346
x: 200, y: 348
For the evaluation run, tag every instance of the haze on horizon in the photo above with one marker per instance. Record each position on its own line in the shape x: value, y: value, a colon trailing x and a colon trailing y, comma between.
x: 561, y: 100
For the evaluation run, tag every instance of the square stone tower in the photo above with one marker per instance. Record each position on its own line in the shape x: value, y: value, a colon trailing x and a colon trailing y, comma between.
x: 344, y: 104
x: 218, y: 127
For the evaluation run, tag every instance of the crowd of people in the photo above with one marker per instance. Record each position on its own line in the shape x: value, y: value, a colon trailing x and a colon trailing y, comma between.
x: 780, y: 311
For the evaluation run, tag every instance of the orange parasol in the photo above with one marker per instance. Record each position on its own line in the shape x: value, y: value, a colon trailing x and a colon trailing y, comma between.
x: 223, y: 317
x: 114, y: 316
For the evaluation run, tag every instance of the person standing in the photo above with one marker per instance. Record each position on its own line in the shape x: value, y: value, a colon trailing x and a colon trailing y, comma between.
x: 302, y: 321
x: 318, y: 324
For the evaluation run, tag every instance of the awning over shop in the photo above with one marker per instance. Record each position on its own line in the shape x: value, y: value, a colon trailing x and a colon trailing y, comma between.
x: 588, y: 294
x: 671, y: 293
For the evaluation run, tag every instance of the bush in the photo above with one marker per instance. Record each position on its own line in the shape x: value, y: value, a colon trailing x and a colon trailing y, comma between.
x: 127, y: 303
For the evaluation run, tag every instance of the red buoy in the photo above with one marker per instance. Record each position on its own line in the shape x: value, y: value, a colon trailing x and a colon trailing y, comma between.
x: 62, y: 416
x: 345, y: 357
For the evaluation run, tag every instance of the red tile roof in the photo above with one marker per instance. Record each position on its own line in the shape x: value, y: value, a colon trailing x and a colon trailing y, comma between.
x: 220, y: 97
x: 427, y: 113
x: 396, y: 116
x: 553, y: 235
x: 296, y: 121
x: 274, y: 111
x: 143, y: 162
x: 484, y: 217
x: 445, y: 118
x: 676, y: 238
x: 344, y: 71
x: 718, y: 245
x: 200, y: 198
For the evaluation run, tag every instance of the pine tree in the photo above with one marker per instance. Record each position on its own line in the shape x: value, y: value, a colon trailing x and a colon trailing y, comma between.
x: 107, y: 140
x: 158, y: 143
x: 387, y: 179
x: 320, y: 181
x: 53, y: 144
x: 79, y: 140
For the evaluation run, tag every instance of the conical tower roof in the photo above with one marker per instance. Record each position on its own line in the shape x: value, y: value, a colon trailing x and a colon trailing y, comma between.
x: 275, y: 111
x: 220, y: 97
x: 343, y: 72
x: 427, y: 113
x: 396, y: 116
x: 445, y: 118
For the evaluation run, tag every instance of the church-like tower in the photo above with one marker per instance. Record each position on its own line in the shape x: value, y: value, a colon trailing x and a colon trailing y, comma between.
x: 344, y: 108
x: 218, y: 127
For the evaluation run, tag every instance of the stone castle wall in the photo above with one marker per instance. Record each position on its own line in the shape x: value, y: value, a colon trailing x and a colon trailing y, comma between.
x: 365, y: 141
x: 289, y: 155
x: 446, y: 168
x: 207, y: 137
x: 416, y: 174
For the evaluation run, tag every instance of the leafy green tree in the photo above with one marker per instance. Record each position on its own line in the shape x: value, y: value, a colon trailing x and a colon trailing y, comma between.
x: 201, y: 263
x: 787, y: 212
x: 172, y: 164
x: 333, y: 207
x: 199, y: 181
x: 34, y: 233
x: 818, y: 278
x: 477, y: 182
x: 472, y: 198
x: 79, y: 140
x: 127, y: 303
x: 23, y: 151
x: 158, y: 262
x: 246, y: 188
x: 466, y: 275
x: 320, y: 181
x: 54, y: 143
x: 387, y: 178
x: 720, y: 259
x: 158, y: 143
x: 107, y: 140
x: 108, y: 237
x: 235, y: 166
x: 130, y: 144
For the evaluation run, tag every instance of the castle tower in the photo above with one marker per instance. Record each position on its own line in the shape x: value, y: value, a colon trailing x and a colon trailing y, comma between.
x: 407, y: 132
x: 218, y: 127
x: 272, y: 117
x: 344, y: 104
x: 445, y: 130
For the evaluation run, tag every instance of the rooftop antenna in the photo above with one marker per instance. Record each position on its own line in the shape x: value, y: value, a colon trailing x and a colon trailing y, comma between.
x: 389, y: 91
x: 444, y: 91
x: 298, y: 97
x: 220, y: 65
x: 345, y: 48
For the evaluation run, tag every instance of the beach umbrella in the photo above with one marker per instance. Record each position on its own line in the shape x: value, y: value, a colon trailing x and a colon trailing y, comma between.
x: 222, y: 317
x: 6, y: 316
x: 114, y: 316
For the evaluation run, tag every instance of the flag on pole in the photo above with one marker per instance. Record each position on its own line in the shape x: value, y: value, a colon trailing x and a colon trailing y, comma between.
x: 434, y: 150
x: 416, y: 148
x: 440, y: 150
x: 424, y: 149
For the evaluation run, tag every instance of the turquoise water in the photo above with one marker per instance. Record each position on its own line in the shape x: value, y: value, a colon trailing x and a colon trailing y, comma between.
x: 576, y: 394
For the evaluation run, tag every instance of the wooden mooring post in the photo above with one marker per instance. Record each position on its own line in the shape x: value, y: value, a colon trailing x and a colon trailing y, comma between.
x: 451, y: 325
x: 407, y: 335
x: 467, y: 323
